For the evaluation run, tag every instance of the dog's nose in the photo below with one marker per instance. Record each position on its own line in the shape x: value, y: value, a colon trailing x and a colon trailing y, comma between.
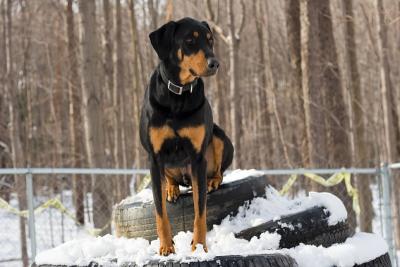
x: 213, y: 63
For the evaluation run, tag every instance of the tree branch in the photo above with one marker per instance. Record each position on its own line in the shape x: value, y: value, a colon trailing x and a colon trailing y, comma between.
x: 213, y: 24
x: 242, y: 21
x: 227, y: 39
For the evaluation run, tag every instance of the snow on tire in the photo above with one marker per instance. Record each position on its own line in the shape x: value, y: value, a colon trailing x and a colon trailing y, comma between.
x: 137, y: 219
x: 308, y: 227
x: 276, y: 260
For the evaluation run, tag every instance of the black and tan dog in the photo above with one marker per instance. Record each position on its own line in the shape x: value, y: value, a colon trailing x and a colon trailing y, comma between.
x: 185, y: 147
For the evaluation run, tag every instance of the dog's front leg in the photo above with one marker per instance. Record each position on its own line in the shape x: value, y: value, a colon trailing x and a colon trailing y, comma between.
x: 160, y: 195
x: 199, y: 187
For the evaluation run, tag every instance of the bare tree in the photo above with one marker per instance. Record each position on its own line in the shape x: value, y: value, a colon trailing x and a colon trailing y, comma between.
x: 137, y: 85
x: 235, y: 97
x: 75, y: 120
x: 338, y: 122
x: 17, y: 153
x: 92, y: 109
x: 312, y: 83
x: 360, y: 143
x: 390, y: 116
x: 265, y: 153
x: 169, y: 10
x: 293, y: 34
x: 120, y: 94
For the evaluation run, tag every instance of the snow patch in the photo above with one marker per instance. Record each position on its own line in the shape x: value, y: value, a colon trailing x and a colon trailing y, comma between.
x: 220, y: 240
x: 239, y: 174
x: 332, y: 203
x: 274, y: 206
x: 145, y: 196
x: 362, y: 247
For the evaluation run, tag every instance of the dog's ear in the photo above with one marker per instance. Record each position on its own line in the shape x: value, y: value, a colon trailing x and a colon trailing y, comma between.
x: 161, y: 39
x: 206, y: 24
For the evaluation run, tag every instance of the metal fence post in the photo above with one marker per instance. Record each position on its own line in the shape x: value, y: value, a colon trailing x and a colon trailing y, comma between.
x: 387, y: 209
x: 31, y: 217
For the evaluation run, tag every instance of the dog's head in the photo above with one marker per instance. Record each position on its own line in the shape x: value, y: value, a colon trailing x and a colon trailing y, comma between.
x: 187, y: 44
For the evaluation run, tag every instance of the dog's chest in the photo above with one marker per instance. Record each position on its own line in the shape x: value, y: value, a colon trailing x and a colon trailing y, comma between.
x: 194, y: 133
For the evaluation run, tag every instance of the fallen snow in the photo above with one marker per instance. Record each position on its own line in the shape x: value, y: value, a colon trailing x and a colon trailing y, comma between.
x: 239, y: 174
x: 220, y: 240
x: 144, y: 196
x: 361, y: 248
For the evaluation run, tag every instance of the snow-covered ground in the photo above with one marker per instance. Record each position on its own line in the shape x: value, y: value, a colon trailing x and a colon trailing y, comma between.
x: 221, y: 240
x: 53, y: 229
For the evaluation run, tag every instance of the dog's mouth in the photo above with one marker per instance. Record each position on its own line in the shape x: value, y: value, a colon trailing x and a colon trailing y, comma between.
x: 193, y: 73
x: 205, y: 74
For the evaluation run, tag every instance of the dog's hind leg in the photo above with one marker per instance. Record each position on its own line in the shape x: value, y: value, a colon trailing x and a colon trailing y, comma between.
x: 173, y: 191
x: 215, y: 181
x: 160, y: 194
x: 199, y: 187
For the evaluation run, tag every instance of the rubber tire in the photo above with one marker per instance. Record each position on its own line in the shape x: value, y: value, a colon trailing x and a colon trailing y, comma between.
x: 382, y: 261
x: 268, y: 260
x: 138, y: 220
x: 310, y: 227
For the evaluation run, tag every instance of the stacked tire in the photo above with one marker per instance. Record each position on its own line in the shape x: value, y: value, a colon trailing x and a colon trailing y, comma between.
x: 136, y: 219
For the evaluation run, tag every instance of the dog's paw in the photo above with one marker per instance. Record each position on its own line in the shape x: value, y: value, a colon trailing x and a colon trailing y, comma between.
x: 173, y: 192
x: 194, y: 246
x: 213, y: 183
x: 166, y: 248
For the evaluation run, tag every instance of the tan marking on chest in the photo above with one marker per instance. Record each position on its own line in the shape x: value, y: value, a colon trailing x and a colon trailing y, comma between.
x: 196, y: 135
x: 158, y: 135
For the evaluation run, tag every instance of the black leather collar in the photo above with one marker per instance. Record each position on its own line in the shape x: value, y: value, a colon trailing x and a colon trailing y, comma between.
x: 174, y: 88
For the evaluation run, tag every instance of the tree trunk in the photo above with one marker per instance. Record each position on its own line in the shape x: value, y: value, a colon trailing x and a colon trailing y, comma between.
x: 4, y: 137
x: 338, y: 123
x: 136, y: 84
x: 17, y: 153
x: 277, y: 132
x: 93, y: 114
x: 169, y: 10
x: 294, y: 44
x: 123, y: 185
x: 235, y: 97
x: 153, y: 26
x: 266, y: 150
x: 75, y: 134
x: 360, y: 144
x: 113, y: 127
x: 312, y: 84
x: 390, y: 117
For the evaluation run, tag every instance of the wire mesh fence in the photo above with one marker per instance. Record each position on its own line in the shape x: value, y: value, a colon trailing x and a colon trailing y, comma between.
x: 59, y: 205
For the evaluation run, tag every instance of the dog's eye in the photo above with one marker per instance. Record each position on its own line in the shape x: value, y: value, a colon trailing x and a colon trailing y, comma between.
x: 189, y: 41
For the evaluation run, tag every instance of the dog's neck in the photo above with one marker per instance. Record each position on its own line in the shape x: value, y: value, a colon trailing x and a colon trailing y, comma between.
x: 184, y: 104
x: 175, y: 87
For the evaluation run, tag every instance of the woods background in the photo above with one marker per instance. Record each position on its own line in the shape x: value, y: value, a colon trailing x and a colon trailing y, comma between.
x: 302, y: 83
